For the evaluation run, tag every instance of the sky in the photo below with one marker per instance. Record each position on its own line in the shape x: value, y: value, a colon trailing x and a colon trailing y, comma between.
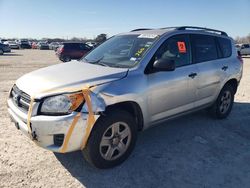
x: 88, y: 18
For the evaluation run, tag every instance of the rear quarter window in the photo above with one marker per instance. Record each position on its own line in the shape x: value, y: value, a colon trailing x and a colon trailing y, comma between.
x: 71, y: 46
x: 225, y: 46
x: 204, y: 48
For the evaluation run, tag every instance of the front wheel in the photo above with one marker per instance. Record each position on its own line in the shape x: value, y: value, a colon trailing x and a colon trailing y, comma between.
x: 224, y: 103
x: 112, y: 140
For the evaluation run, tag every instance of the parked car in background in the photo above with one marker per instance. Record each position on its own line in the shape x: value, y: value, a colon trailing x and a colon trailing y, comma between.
x: 92, y: 44
x: 245, y: 49
x: 42, y: 46
x: 1, y: 48
x: 24, y: 44
x: 4, y: 48
x: 54, y: 45
x: 12, y: 44
x: 3, y: 40
x: 72, y: 50
x: 34, y: 45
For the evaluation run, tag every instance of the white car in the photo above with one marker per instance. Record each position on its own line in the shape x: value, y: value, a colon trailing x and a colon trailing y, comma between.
x: 91, y: 44
x: 245, y: 49
x: 12, y: 44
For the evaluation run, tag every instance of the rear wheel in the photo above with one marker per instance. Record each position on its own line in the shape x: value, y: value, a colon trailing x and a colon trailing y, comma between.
x: 66, y: 59
x: 1, y: 52
x: 112, y: 140
x: 224, y: 103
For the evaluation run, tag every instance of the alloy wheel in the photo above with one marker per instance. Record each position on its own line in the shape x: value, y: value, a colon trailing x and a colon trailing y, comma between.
x: 225, y: 102
x: 115, y: 141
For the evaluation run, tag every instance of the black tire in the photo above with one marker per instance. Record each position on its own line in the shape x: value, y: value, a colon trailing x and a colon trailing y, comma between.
x: 1, y: 52
x: 66, y: 59
x: 92, y: 151
x: 216, y: 110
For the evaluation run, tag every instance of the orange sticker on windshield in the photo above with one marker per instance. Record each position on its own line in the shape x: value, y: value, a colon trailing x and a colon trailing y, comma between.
x: 182, y: 47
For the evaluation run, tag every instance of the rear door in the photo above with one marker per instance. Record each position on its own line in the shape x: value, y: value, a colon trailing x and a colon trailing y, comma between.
x: 209, y: 78
x: 76, y: 51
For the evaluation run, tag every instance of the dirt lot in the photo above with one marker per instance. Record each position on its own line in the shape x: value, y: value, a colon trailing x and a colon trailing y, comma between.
x: 192, y: 151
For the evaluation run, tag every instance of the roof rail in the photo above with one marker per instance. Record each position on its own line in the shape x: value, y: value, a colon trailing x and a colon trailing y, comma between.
x: 201, y: 28
x: 140, y: 29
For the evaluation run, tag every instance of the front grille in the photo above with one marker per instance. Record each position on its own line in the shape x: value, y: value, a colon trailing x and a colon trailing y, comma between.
x: 58, y: 139
x: 20, y: 99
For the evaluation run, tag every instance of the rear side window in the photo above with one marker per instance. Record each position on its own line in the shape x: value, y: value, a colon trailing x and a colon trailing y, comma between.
x: 67, y: 46
x: 76, y: 46
x: 84, y: 47
x: 71, y: 46
x: 204, y: 48
x: 225, y: 46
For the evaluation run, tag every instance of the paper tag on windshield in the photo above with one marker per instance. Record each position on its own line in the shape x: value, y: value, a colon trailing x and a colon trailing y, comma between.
x: 147, y: 36
x: 133, y: 59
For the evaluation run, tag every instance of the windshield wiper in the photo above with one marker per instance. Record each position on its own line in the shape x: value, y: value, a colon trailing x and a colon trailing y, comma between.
x: 103, y: 64
x: 98, y: 61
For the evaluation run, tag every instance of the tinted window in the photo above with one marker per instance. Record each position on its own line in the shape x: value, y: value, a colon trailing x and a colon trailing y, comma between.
x: 84, y: 47
x: 246, y: 46
x: 72, y: 46
x: 225, y: 46
x: 175, y: 48
x: 204, y: 48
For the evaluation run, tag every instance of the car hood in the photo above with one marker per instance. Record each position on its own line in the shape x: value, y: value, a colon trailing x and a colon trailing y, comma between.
x: 69, y: 76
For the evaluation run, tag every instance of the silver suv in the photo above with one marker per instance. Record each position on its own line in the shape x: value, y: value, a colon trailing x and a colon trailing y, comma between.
x: 129, y: 83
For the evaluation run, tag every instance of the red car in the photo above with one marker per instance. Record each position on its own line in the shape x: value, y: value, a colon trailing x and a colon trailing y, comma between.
x: 72, y: 50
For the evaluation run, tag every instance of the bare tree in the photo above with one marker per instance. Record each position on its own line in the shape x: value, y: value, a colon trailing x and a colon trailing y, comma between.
x: 240, y: 40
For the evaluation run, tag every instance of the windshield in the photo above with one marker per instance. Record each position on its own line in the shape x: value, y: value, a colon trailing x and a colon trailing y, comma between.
x: 123, y: 51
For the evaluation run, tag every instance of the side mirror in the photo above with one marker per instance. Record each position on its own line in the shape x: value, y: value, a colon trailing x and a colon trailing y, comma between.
x: 164, y: 65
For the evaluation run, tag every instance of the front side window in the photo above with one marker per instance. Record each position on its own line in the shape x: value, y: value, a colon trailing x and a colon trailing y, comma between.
x: 123, y: 51
x: 84, y: 47
x: 204, y: 48
x: 175, y: 48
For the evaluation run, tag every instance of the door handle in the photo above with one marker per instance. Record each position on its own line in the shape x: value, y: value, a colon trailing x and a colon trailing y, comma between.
x: 224, y: 68
x: 192, y: 75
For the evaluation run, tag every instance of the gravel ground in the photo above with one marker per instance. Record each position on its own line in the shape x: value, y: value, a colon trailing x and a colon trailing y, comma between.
x: 192, y: 151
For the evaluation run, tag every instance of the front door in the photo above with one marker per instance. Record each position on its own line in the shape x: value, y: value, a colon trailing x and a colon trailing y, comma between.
x: 172, y: 92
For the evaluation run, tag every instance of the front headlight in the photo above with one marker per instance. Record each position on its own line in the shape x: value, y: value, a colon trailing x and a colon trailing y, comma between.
x: 61, y: 104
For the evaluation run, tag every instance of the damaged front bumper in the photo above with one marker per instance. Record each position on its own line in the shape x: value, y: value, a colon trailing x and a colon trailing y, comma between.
x: 49, y: 132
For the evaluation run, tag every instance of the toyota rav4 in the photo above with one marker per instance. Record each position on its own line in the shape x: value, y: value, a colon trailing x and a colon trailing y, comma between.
x: 127, y: 84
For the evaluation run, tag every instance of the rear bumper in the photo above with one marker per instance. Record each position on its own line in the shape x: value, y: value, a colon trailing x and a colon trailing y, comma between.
x: 46, y: 128
x: 24, y: 46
